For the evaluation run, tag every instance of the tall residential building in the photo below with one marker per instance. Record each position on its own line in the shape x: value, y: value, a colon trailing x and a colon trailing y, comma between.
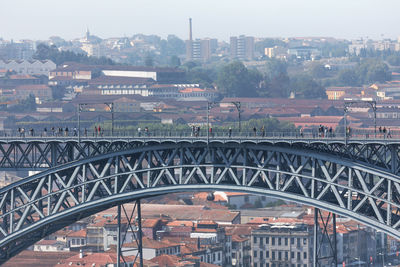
x: 242, y: 47
x: 199, y: 49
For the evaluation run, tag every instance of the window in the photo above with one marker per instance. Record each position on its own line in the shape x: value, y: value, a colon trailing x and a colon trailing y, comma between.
x: 219, y: 256
x: 298, y: 256
x: 292, y: 240
x: 279, y: 241
x: 273, y: 255
x: 286, y: 241
x: 273, y: 241
x: 255, y: 264
x: 267, y: 240
x: 298, y: 242
x: 255, y: 240
x: 304, y: 241
x: 279, y: 255
x: 267, y: 254
x: 73, y: 241
x: 286, y: 255
x: 305, y: 255
x: 292, y: 255
x: 255, y: 253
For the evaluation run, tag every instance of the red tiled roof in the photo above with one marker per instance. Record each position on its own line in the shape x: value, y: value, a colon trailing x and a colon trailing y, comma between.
x: 150, y: 223
x: 80, y: 233
x: 37, y: 259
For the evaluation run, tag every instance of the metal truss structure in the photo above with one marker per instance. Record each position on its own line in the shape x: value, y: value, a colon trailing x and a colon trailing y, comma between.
x: 135, y: 226
x: 359, y: 180
x: 324, y: 238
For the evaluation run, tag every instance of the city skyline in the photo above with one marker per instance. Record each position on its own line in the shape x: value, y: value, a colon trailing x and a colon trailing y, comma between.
x: 222, y: 19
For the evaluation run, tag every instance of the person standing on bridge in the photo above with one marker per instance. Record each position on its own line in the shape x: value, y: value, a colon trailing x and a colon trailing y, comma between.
x: 95, y: 131
x: 263, y: 131
x: 230, y: 132
x: 255, y: 131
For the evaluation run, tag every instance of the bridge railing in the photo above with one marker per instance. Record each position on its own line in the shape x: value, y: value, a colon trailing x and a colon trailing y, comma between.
x: 354, y: 134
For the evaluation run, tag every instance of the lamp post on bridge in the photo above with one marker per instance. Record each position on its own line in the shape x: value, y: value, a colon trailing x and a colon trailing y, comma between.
x: 238, y: 107
x: 209, y: 106
x: 111, y: 107
x: 79, y: 120
x: 348, y: 104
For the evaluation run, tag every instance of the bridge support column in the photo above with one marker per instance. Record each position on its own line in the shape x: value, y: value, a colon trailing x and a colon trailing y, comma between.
x: 322, y: 238
x: 134, y: 224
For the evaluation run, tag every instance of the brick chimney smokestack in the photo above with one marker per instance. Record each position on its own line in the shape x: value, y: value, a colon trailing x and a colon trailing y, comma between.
x: 190, y: 30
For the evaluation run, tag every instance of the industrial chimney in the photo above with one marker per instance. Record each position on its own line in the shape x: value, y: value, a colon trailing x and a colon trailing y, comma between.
x: 190, y: 29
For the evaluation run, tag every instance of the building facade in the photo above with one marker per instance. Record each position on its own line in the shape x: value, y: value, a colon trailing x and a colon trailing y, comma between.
x: 274, y: 245
x: 242, y: 47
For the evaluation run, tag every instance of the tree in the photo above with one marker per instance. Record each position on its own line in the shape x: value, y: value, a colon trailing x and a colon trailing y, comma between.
x: 204, y: 77
x: 348, y: 77
x: 318, y: 71
x: 148, y: 61
x: 306, y: 87
x: 174, y: 61
x: 44, y: 52
x: 235, y: 80
x: 394, y: 60
x: 268, y: 42
x: 276, y: 80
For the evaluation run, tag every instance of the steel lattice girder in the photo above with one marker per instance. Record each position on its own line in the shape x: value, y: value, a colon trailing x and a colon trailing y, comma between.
x: 43, y: 153
x: 41, y: 204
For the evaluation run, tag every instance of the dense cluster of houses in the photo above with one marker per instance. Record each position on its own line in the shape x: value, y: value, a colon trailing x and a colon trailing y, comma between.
x: 205, y: 233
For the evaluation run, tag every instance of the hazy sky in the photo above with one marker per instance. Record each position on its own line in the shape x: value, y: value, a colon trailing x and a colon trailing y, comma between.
x: 39, y: 19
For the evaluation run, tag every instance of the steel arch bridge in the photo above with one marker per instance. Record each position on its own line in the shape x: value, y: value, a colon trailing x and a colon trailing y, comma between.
x: 358, y: 179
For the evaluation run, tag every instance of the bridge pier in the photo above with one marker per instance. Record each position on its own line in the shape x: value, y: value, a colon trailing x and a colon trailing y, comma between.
x: 135, y: 225
x: 324, y: 239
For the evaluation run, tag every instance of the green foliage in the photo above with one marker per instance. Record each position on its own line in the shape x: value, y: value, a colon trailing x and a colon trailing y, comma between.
x: 367, y: 72
x: 338, y: 49
x: 347, y: 77
x: 394, y: 60
x: 27, y: 105
x: 204, y: 77
x: 318, y: 71
x: 148, y: 61
x: 51, y: 52
x: 174, y: 61
x: 235, y: 80
x: 277, y: 203
x: 269, y: 42
x: 276, y: 80
x: 305, y: 87
x: 270, y: 125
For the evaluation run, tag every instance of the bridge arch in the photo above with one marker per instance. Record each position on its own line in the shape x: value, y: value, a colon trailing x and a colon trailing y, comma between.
x: 34, y: 207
